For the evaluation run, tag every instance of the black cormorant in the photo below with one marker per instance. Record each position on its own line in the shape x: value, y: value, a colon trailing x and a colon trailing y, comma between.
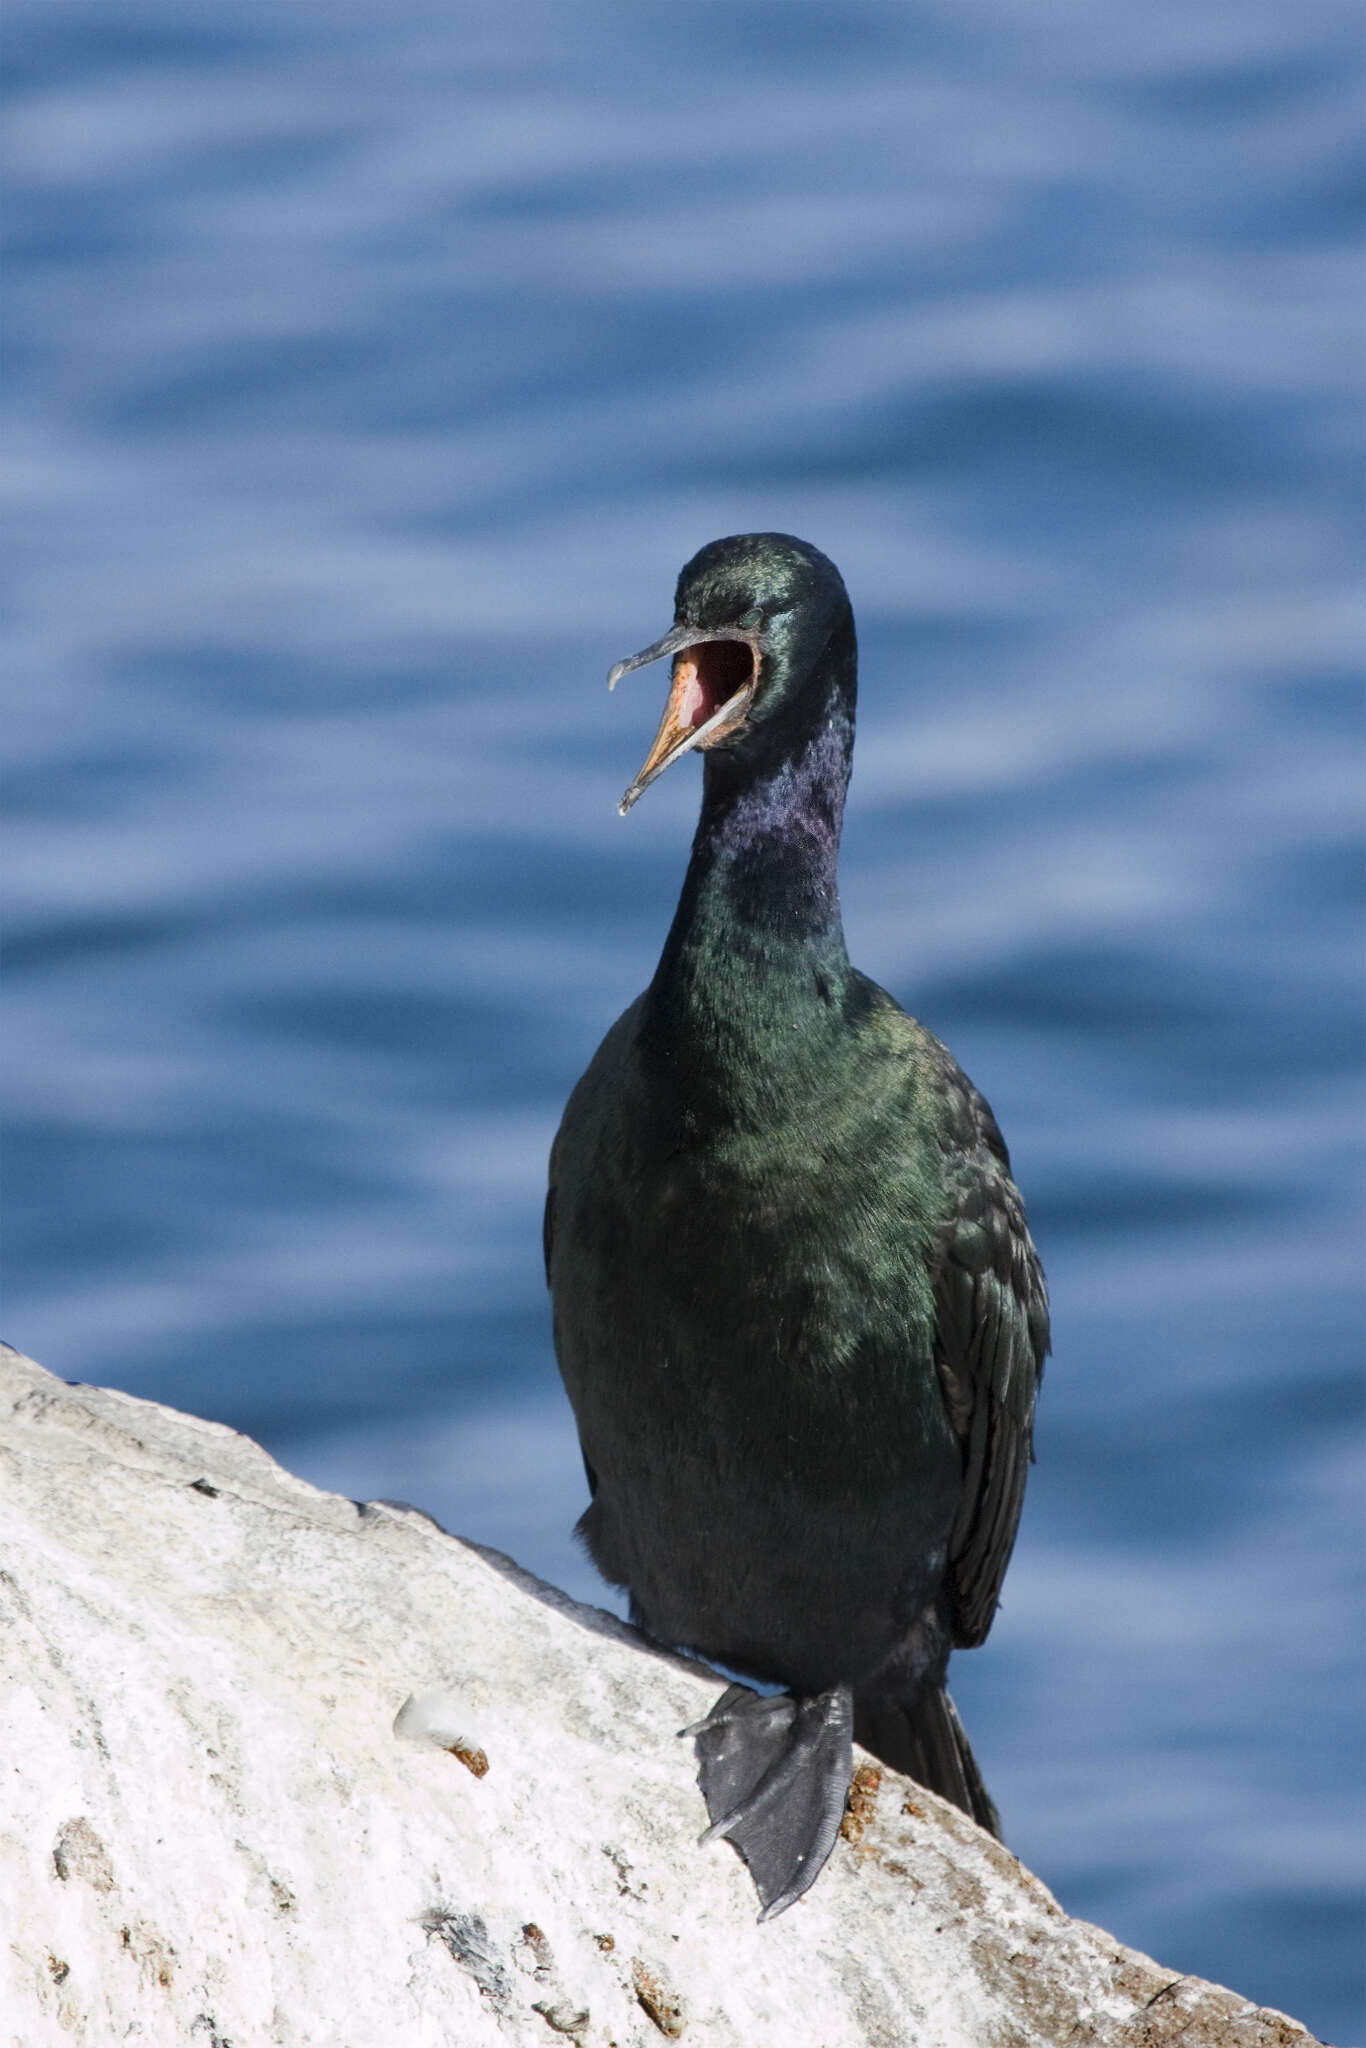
x: 797, y: 1308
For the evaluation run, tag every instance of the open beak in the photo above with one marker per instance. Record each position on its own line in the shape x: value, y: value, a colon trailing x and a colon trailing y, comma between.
x: 714, y: 678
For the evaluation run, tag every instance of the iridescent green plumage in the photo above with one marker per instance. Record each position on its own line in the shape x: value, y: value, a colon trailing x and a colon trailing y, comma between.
x: 797, y: 1309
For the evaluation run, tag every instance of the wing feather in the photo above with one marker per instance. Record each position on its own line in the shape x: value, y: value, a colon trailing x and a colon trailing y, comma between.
x: 991, y: 1340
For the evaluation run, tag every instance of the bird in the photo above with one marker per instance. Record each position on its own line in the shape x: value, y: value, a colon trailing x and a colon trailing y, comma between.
x: 797, y: 1308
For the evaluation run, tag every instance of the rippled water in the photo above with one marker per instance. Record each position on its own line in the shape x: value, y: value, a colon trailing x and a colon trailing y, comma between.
x: 371, y: 373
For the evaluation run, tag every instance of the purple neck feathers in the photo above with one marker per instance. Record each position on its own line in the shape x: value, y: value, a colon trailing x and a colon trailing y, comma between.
x: 758, y: 922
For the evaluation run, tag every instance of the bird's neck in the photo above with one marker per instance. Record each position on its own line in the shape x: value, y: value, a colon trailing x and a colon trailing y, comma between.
x: 754, y: 970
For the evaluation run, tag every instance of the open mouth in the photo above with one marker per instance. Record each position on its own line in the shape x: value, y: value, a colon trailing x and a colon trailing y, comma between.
x: 713, y: 686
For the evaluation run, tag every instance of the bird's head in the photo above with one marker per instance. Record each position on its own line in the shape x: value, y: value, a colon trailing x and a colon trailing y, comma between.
x: 752, y: 614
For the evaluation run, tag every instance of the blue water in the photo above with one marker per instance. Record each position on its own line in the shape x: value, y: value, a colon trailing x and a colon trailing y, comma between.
x: 371, y: 371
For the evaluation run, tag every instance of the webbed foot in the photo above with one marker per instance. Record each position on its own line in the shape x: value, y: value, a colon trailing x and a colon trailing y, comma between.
x: 775, y: 1776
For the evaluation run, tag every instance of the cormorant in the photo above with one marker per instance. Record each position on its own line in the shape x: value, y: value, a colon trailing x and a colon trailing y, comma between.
x: 797, y: 1308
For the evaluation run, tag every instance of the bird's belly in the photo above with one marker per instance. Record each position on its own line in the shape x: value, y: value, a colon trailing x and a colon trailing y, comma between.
x: 748, y: 1345
x: 799, y: 1591
x: 775, y: 1478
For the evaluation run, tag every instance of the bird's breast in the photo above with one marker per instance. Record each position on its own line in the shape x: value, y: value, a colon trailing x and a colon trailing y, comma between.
x: 752, y: 1295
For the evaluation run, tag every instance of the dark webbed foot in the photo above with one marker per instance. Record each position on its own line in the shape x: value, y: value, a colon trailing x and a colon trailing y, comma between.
x: 775, y: 1776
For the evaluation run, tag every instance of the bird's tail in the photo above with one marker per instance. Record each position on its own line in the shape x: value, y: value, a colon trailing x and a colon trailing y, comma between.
x: 926, y: 1741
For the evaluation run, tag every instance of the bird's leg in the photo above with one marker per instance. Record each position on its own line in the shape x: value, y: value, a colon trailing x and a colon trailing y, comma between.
x: 775, y: 1776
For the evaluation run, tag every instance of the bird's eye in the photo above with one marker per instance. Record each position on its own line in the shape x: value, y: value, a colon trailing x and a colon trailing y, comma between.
x: 751, y: 617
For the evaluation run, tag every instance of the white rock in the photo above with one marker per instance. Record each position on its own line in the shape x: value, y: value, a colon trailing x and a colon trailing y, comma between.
x: 212, y: 1832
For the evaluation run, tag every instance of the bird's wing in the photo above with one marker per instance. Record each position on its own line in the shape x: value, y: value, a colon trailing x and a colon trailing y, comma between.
x: 991, y: 1338
x: 547, y: 1246
x: 548, y: 1219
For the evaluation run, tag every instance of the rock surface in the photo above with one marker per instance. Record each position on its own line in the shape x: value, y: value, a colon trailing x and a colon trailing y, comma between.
x: 211, y: 1830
